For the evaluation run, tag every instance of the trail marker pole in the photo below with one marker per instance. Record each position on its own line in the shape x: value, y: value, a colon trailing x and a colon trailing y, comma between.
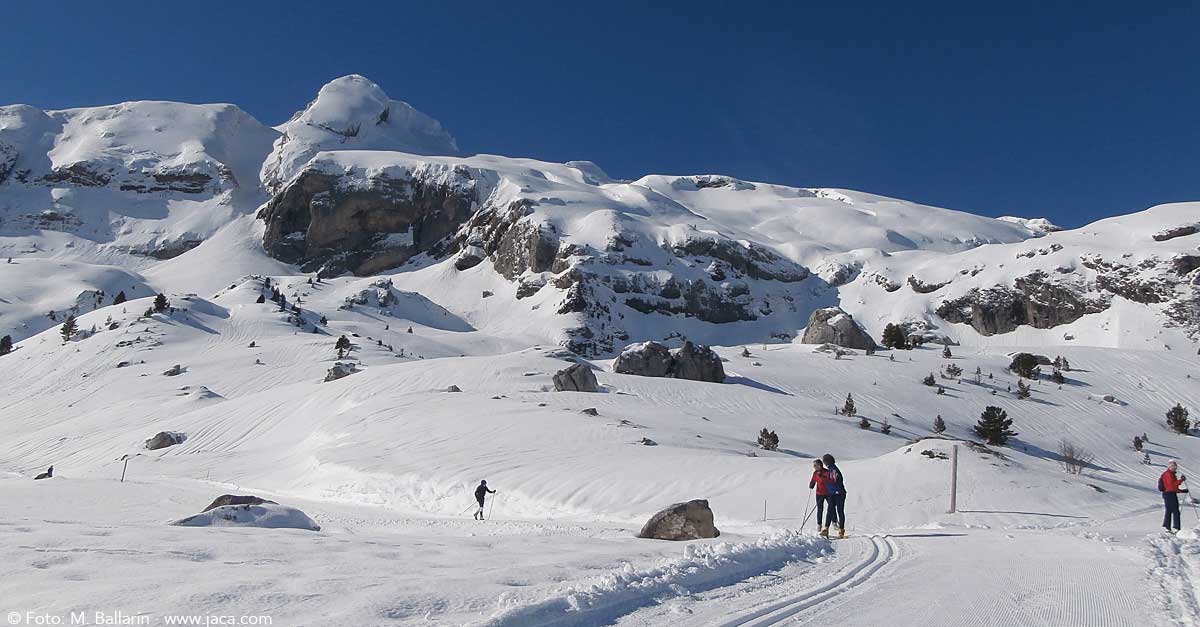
x: 764, y: 510
x: 124, y: 467
x: 953, y: 479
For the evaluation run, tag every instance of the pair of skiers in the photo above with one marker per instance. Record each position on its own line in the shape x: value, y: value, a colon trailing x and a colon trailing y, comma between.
x: 1171, y: 484
x: 831, y: 491
x: 481, y: 493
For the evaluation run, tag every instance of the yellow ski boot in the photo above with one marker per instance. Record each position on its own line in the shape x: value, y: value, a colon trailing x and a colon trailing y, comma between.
x: 841, y: 533
x: 824, y: 532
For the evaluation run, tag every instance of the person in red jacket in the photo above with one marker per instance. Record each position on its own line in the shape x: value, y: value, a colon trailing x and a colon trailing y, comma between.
x: 1171, y: 485
x: 820, y: 480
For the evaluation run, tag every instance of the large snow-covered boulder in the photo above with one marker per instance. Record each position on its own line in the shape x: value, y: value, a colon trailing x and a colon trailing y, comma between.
x: 692, y: 520
x: 266, y: 516
x: 576, y: 378
x: 831, y: 325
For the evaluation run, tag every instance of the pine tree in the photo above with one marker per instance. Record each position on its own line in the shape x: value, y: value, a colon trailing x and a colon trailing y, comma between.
x: 953, y: 371
x: 119, y: 298
x: 1137, y: 443
x: 1057, y: 377
x: 893, y: 336
x: 848, y: 409
x: 1146, y: 458
x: 768, y: 440
x: 1022, y: 389
x: 324, y: 321
x: 863, y: 423
x: 929, y: 380
x: 342, y: 346
x: 1177, y: 419
x: 939, y: 425
x: 68, y: 328
x: 994, y: 426
x: 941, y: 390
x: 1024, y: 364
x: 946, y: 352
x: 160, y: 303
x: 978, y: 374
x: 261, y: 299
x: 886, y: 427
x: 5, y: 345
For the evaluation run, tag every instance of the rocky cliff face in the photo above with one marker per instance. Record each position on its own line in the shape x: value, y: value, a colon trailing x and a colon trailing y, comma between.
x: 332, y: 222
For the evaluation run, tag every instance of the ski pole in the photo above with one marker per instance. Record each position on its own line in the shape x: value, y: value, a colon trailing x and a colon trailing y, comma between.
x: 807, y: 512
x: 491, y: 504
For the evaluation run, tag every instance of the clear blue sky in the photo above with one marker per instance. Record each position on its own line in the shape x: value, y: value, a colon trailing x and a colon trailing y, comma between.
x: 1073, y: 111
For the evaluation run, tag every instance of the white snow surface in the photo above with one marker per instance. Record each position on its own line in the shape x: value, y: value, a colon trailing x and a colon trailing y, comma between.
x: 385, y: 461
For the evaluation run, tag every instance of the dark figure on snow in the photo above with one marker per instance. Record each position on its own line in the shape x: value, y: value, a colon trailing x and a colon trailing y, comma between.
x: 837, y: 497
x: 45, y: 475
x: 820, y: 481
x: 1171, y: 486
x: 480, y: 493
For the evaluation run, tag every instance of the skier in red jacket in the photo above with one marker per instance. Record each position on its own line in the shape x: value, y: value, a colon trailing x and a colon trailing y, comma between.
x: 820, y: 480
x: 1171, y: 485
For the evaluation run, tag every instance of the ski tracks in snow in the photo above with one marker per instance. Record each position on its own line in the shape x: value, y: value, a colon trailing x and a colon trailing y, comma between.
x: 882, y: 551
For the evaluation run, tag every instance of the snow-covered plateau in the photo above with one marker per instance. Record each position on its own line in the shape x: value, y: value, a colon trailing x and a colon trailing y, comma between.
x: 462, y: 285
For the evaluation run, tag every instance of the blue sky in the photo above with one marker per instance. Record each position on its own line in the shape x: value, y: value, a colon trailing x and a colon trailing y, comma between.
x: 1074, y: 111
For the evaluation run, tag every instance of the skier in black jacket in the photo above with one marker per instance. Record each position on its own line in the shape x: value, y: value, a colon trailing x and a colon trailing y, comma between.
x: 480, y: 493
x: 837, y: 497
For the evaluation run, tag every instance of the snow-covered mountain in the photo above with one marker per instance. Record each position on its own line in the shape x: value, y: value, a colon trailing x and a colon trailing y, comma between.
x: 463, y: 285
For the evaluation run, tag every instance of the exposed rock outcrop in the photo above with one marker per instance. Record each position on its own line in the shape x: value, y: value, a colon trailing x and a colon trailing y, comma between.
x: 576, y: 378
x: 340, y: 370
x: 163, y: 439
x: 831, y: 325
x: 652, y: 359
x: 1033, y: 300
x: 692, y: 520
x: 235, y: 499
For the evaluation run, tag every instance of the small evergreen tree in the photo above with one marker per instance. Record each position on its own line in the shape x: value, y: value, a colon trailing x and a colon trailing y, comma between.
x: 768, y: 440
x: 863, y: 423
x: 1057, y: 377
x: 946, y: 352
x: 160, y: 303
x: 119, y: 298
x: 1022, y: 389
x: 886, y: 427
x: 939, y: 425
x: 5, y: 345
x: 261, y: 299
x: 929, y: 380
x: 324, y: 321
x: 994, y: 426
x: 1177, y: 419
x: 893, y: 336
x: 848, y: 408
x: 978, y: 374
x: 1146, y: 458
x: 342, y: 346
x: 940, y: 390
x: 68, y: 328
x: 1137, y: 443
x: 953, y: 371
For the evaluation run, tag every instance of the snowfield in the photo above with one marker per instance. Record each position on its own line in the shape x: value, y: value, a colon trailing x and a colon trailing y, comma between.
x: 448, y: 379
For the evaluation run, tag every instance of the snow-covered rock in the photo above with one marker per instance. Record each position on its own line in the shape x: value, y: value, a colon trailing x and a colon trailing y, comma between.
x: 692, y: 520
x: 831, y: 325
x: 163, y: 439
x: 576, y: 378
x: 265, y: 516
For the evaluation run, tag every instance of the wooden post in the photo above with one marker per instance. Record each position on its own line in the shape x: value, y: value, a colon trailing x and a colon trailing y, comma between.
x: 123, y: 468
x: 953, y: 478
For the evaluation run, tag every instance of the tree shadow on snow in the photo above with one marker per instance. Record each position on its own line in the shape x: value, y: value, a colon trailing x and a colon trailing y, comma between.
x: 1037, y: 451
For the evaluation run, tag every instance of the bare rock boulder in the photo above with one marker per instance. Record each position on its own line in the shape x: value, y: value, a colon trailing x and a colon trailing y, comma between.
x: 235, y: 499
x: 697, y: 363
x: 576, y: 378
x: 831, y: 325
x: 682, y: 521
x: 647, y: 359
x: 163, y: 439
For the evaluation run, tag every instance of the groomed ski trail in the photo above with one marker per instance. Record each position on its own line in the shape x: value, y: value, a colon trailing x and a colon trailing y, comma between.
x: 883, y: 550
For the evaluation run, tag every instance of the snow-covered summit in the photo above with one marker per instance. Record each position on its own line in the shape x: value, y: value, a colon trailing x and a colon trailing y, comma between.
x: 352, y: 113
x: 1041, y: 225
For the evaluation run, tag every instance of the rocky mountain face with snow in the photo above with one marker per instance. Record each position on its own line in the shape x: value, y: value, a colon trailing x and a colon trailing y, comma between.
x: 359, y: 184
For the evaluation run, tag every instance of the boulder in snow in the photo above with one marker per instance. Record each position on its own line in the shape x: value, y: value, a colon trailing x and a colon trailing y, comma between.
x: 576, y: 378
x: 236, y: 499
x: 647, y: 359
x: 340, y: 370
x: 682, y: 521
x: 173, y: 371
x: 266, y: 515
x: 831, y: 325
x: 698, y: 363
x: 163, y: 439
